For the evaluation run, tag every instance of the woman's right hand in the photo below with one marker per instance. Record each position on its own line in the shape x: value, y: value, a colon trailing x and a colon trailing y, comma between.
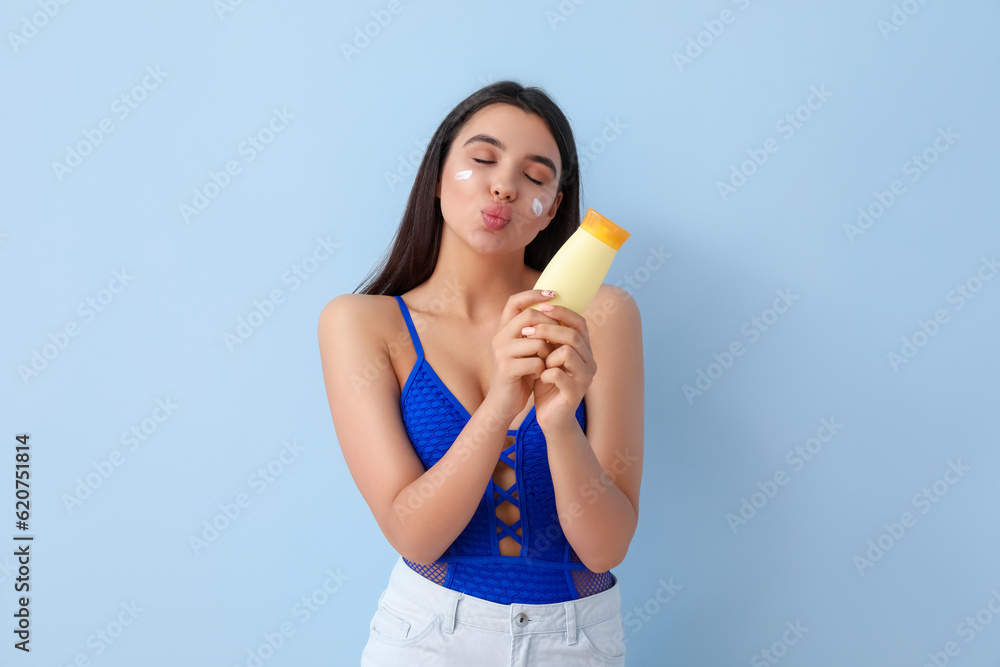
x: 517, y: 361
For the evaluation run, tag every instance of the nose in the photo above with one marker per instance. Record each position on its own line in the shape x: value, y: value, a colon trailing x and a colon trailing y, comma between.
x: 503, y: 187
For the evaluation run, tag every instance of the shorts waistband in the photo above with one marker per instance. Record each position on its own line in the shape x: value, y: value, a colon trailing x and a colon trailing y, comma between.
x: 456, y: 607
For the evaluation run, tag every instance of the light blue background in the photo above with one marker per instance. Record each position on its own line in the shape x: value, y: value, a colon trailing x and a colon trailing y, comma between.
x: 329, y: 174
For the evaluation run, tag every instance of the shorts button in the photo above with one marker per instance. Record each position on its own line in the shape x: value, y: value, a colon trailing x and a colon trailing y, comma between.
x: 521, y: 620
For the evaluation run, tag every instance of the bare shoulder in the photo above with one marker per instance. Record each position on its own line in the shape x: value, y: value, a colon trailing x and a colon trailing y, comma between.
x: 353, y: 325
x: 614, y: 309
x: 361, y: 313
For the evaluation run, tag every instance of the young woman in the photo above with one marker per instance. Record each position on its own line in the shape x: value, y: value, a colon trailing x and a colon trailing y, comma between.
x: 461, y: 414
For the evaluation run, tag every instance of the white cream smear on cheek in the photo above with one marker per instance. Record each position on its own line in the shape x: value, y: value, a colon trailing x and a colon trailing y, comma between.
x: 462, y: 175
x: 536, y: 206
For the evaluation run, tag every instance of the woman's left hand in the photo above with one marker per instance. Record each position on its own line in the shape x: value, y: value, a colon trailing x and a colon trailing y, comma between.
x: 569, y: 367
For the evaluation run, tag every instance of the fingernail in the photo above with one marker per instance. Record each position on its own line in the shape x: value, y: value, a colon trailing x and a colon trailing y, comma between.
x: 527, y: 331
x: 546, y: 307
x: 548, y: 292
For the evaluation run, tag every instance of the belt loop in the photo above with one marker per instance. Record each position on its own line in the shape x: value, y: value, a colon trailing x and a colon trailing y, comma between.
x: 448, y: 621
x: 570, y: 623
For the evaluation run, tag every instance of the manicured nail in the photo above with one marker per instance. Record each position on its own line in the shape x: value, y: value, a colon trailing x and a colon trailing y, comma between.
x: 548, y: 292
x: 546, y: 307
x: 527, y: 331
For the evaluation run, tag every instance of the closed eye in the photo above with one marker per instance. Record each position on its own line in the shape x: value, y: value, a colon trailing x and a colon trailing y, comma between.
x: 481, y: 161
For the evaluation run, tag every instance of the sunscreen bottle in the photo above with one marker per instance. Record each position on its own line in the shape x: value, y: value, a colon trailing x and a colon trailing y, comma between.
x: 578, y: 268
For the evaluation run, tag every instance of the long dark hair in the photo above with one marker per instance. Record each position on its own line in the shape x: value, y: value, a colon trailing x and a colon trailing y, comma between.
x: 414, y: 252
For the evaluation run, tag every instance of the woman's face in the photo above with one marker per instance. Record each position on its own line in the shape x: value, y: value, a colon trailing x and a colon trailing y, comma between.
x: 499, y: 185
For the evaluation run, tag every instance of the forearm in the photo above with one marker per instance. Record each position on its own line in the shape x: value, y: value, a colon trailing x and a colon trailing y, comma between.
x: 432, y: 511
x: 596, y: 517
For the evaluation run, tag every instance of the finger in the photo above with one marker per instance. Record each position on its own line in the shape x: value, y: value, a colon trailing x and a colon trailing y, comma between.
x: 566, y: 358
x: 529, y: 317
x: 518, y: 302
x: 560, y: 335
x: 527, y: 347
x: 559, y: 378
x: 566, y: 316
x: 530, y: 367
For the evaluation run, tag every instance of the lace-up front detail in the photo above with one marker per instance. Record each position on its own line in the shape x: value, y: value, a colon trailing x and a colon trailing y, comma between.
x: 507, y: 495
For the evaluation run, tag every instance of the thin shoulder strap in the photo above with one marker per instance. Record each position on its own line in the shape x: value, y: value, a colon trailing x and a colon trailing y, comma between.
x: 413, y: 330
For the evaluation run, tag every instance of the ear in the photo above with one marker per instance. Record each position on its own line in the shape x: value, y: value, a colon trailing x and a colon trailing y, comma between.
x: 555, y: 205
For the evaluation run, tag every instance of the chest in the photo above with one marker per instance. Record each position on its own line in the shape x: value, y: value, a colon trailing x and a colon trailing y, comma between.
x: 460, y: 357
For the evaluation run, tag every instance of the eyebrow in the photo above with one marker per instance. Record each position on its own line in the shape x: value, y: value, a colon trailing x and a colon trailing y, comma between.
x: 493, y: 141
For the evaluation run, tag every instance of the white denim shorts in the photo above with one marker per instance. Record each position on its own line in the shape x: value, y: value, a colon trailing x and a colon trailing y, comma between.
x: 420, y: 623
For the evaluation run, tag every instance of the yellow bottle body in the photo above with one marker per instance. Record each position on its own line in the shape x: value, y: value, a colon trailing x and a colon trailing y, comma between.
x: 579, y: 267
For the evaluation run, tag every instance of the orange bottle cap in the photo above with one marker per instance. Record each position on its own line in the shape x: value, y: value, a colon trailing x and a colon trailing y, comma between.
x: 604, y: 229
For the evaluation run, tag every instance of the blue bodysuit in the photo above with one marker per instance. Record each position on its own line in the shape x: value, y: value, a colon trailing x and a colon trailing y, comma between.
x: 547, y: 569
